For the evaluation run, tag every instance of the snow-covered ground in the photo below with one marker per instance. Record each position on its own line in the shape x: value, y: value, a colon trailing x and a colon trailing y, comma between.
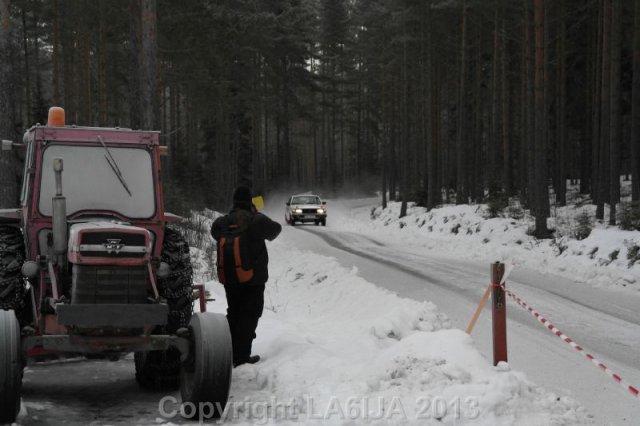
x: 608, y: 257
x: 603, y: 319
x: 339, y: 350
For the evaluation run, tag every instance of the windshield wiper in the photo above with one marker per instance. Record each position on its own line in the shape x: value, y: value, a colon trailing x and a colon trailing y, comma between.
x: 114, y: 166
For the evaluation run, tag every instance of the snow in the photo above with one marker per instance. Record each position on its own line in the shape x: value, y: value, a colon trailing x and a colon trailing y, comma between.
x: 604, y: 259
x: 337, y: 349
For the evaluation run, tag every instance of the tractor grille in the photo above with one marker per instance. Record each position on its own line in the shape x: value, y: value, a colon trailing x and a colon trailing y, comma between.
x: 100, y: 238
x: 109, y: 284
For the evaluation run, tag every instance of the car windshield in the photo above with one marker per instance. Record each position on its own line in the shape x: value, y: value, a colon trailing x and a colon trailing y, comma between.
x: 89, y: 181
x: 305, y: 200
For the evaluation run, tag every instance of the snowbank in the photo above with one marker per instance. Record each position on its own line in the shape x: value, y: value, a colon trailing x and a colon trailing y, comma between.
x: 608, y: 257
x: 339, y: 350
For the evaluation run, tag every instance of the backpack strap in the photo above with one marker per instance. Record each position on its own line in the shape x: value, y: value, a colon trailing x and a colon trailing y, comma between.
x: 221, y: 276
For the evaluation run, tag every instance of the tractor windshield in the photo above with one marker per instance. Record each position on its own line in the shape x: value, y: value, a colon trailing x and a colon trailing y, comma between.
x: 89, y: 182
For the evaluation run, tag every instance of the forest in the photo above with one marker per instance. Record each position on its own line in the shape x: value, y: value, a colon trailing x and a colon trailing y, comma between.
x: 427, y: 101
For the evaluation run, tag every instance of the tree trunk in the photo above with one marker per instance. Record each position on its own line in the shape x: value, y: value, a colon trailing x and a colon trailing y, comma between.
x: 55, y: 55
x: 561, y: 131
x: 404, y: 144
x: 102, y: 66
x: 477, y: 165
x: 135, y: 15
x: 635, y: 132
x: 596, y: 178
x: 84, y: 41
x: 148, y: 65
x: 8, y: 181
x: 605, y: 111
x: 27, y: 70
x: 614, y: 147
x: 431, y: 108
x: 493, y: 152
x: 523, y: 153
x: 461, y: 190
x: 69, y: 80
x: 586, y: 140
x: 542, y: 193
x: 507, y: 167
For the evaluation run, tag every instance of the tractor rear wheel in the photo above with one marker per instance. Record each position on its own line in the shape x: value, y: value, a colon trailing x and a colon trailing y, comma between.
x: 160, y: 370
x: 10, y: 367
x: 12, y: 289
x: 206, y: 375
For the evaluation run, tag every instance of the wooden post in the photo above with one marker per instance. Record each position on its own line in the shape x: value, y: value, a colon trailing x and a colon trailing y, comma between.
x: 481, y: 305
x: 202, y: 296
x: 499, y: 314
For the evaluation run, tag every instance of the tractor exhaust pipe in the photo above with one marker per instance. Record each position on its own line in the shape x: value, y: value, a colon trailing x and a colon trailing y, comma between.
x: 60, y: 239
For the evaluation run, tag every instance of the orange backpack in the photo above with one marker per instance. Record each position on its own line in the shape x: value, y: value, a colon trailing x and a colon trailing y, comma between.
x: 234, y: 254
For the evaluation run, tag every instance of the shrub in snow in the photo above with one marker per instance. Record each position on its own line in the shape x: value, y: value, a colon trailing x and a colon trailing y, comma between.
x: 629, y: 216
x: 496, y: 205
x: 195, y: 230
x: 375, y: 213
x: 584, y: 226
x: 515, y: 212
x: 560, y: 245
x: 633, y: 255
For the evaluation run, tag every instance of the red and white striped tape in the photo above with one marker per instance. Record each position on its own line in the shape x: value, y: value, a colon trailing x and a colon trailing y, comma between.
x: 542, y: 320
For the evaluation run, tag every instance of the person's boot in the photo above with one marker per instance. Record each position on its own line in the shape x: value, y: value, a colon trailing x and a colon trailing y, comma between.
x: 251, y: 360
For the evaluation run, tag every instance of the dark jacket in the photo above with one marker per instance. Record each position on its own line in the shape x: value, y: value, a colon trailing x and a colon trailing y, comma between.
x: 261, y: 228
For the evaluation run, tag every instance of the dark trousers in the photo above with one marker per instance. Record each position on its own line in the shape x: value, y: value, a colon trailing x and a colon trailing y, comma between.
x: 245, y: 304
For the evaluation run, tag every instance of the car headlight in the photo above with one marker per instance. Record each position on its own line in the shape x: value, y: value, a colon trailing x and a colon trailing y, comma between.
x: 321, y: 211
x: 297, y: 210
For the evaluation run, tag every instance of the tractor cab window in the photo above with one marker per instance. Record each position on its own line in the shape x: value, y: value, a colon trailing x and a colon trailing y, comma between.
x: 93, y: 180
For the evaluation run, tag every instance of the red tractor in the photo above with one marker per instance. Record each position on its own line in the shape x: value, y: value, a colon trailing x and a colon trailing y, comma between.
x: 90, y: 264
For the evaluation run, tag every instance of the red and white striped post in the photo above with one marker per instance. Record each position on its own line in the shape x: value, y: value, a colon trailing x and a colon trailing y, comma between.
x: 499, y: 314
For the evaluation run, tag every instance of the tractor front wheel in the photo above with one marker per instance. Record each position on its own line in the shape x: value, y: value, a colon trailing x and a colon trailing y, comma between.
x: 10, y: 367
x: 206, y: 374
x: 160, y: 370
x: 12, y: 289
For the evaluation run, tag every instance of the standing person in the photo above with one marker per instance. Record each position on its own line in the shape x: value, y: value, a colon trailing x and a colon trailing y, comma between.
x: 243, y: 269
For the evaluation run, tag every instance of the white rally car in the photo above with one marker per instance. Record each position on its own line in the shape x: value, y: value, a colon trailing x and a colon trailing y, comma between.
x: 306, y: 208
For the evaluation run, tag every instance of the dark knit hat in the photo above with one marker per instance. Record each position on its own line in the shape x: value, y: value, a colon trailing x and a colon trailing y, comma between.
x: 242, y: 196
